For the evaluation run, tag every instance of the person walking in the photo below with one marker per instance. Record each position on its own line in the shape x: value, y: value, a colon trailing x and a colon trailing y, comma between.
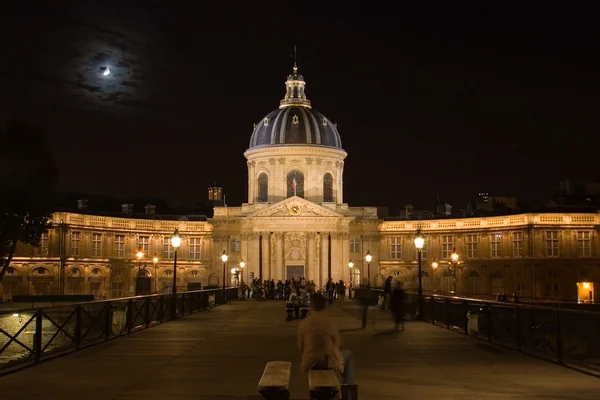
x: 387, y: 292
x: 319, y: 344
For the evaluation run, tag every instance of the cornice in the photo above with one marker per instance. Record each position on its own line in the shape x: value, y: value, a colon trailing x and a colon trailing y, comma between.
x: 294, y: 151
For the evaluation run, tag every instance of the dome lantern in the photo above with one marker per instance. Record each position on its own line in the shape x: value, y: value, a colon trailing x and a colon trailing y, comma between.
x: 295, y: 95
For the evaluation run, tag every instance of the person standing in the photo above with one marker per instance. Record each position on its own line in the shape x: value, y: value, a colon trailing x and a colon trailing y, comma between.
x: 397, y: 305
x: 387, y: 292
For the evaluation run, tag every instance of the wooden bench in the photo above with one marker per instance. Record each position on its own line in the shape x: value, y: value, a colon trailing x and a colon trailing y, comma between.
x: 275, y: 381
x: 323, y: 384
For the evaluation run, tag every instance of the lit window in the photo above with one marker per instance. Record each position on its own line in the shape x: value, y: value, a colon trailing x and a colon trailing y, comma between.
x: 195, y: 248
x: 144, y: 245
x: 495, y: 245
x: 168, y: 250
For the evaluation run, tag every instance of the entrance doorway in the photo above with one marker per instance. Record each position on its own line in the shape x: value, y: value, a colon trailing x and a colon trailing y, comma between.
x: 585, y: 292
x: 295, y: 271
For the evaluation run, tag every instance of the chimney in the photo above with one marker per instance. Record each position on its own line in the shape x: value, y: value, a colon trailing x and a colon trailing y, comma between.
x: 408, y: 211
x: 127, y: 208
x: 82, y: 204
x: 150, y: 209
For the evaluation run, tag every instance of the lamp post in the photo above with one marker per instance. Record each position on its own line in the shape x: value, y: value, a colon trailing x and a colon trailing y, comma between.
x: 139, y: 255
x: 242, y: 265
x: 419, y: 242
x: 351, y: 266
x: 434, y: 266
x: 224, y: 258
x: 175, y: 242
x: 369, y: 258
x: 155, y: 261
x: 454, y: 258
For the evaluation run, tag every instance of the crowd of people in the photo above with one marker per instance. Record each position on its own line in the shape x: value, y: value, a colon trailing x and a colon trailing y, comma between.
x: 284, y: 290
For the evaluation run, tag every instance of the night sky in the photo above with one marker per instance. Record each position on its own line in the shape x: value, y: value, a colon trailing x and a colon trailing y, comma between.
x: 429, y: 102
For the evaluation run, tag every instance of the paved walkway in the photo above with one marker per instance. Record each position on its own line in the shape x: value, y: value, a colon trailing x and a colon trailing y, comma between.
x: 221, y: 353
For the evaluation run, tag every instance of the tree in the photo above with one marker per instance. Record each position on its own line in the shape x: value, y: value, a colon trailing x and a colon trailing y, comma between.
x: 28, y: 177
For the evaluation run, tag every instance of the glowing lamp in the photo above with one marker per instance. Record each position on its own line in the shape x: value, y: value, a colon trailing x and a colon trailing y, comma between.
x: 176, y: 239
x: 224, y: 256
x: 140, y: 254
x: 350, y: 264
x: 434, y: 264
x: 242, y: 263
x: 155, y: 259
x: 419, y: 240
x: 454, y: 256
x: 369, y: 257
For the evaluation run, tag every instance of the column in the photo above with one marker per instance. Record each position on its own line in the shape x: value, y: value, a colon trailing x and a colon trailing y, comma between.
x: 278, y: 273
x: 336, y: 256
x: 317, y: 274
x: 324, y: 257
x: 310, y: 257
x: 253, y: 260
x: 266, y: 254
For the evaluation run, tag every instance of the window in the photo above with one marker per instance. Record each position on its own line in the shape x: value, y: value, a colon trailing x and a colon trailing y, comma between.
x: 42, y: 249
x: 328, y: 188
x: 295, y: 183
x: 425, y: 249
x: 195, y: 248
x: 520, y: 290
x: 517, y: 244
x: 354, y: 245
x: 495, y: 245
x: 144, y: 245
x: 168, y: 250
x: 584, y: 242
x: 236, y: 245
x: 497, y: 283
x: 552, y: 243
x: 395, y: 248
x: 447, y: 245
x: 263, y: 188
x: 117, y: 289
x: 96, y: 245
x: 472, y: 246
x: 119, y: 246
x: 551, y: 290
x: 75, y: 239
x: 473, y: 282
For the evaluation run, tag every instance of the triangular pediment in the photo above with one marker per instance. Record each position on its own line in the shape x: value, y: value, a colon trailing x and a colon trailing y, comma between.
x: 295, y: 207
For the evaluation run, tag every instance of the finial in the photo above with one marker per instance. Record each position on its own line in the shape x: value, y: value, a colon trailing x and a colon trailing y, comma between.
x: 295, y: 59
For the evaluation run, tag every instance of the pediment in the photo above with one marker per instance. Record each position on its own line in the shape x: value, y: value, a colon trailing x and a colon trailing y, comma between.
x: 296, y: 207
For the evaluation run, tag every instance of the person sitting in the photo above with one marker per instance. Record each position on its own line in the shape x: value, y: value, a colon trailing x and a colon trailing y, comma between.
x: 319, y: 344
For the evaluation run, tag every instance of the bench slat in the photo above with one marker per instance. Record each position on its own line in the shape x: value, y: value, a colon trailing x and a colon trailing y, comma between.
x: 276, y: 376
x: 320, y: 379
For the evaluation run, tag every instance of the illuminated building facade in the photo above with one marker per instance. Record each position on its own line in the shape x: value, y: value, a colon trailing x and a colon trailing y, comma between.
x: 296, y: 224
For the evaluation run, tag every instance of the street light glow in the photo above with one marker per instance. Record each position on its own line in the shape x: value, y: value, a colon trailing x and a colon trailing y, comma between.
x: 140, y: 254
x: 176, y: 239
x: 454, y: 256
x: 350, y: 264
x: 434, y: 264
x: 155, y: 259
x: 368, y: 257
x: 419, y: 240
x: 224, y: 256
x: 242, y: 263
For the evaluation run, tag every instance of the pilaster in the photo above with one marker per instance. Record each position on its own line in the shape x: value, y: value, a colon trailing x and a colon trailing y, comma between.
x: 310, y: 257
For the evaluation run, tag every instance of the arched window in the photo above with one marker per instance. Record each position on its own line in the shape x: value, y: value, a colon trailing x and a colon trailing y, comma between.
x: 328, y: 188
x: 295, y: 183
x: 263, y: 188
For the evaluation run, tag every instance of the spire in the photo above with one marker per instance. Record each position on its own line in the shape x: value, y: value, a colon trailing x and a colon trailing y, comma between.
x: 294, y: 95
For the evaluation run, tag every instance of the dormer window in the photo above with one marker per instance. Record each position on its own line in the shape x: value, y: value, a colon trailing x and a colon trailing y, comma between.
x: 324, y: 121
x: 295, y: 120
x: 266, y: 121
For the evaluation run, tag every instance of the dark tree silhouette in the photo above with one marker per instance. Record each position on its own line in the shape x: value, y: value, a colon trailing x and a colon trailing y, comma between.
x: 28, y: 177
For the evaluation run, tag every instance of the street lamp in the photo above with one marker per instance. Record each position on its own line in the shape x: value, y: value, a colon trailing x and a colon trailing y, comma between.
x: 351, y: 266
x: 419, y: 242
x: 434, y: 266
x: 155, y: 261
x: 224, y: 258
x: 369, y: 258
x: 175, y: 242
x: 242, y: 265
x: 454, y: 258
x: 139, y: 255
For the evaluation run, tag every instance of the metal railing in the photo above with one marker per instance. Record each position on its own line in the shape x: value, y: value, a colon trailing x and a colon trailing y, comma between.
x: 29, y: 336
x: 566, y: 336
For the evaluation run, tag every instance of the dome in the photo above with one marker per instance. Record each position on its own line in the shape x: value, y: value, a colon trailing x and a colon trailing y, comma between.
x: 295, y: 122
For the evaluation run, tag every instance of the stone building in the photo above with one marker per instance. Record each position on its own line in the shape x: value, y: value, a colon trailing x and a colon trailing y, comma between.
x: 296, y: 224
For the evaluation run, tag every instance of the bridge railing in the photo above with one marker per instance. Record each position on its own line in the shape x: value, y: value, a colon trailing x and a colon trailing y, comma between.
x: 29, y: 336
x: 562, y: 335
